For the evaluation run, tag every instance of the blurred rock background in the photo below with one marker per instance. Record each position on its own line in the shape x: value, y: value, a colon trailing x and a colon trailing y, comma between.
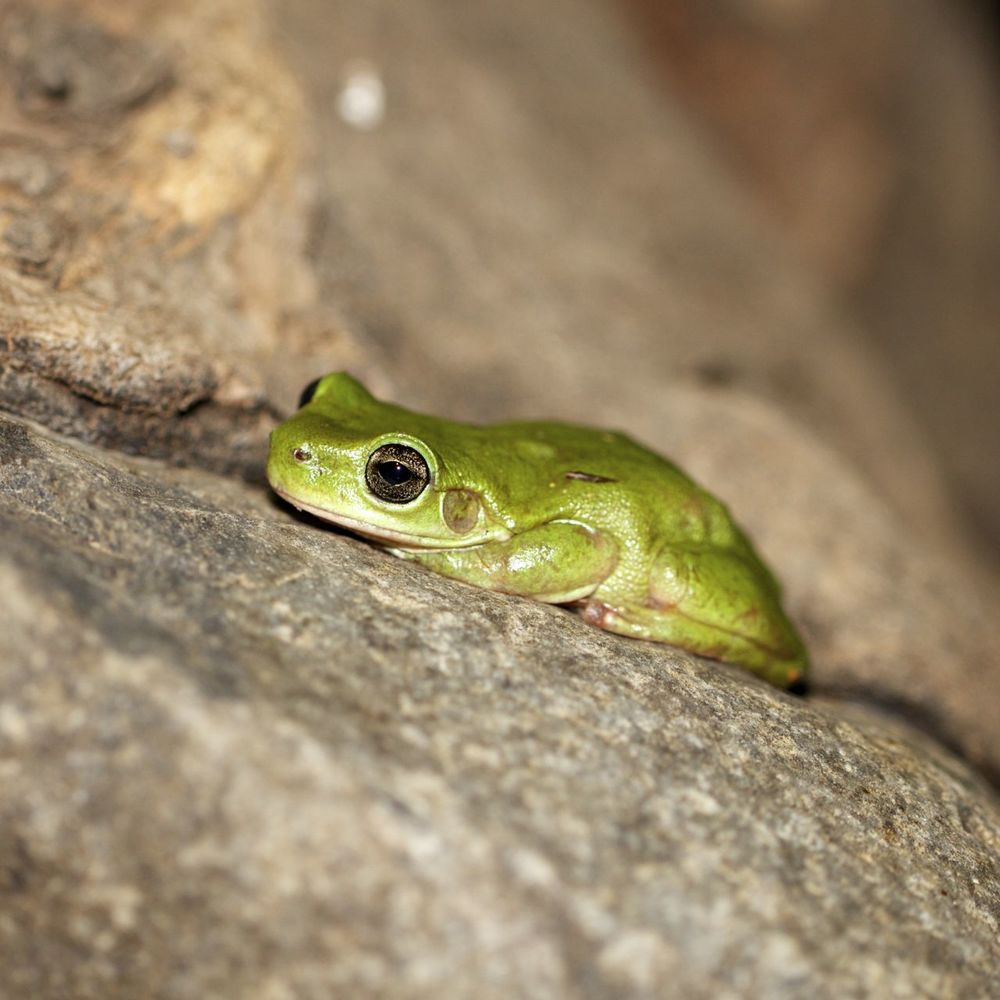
x: 871, y: 134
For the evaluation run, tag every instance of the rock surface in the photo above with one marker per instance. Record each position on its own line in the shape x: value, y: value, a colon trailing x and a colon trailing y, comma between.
x: 244, y: 756
x: 263, y: 760
x: 151, y: 227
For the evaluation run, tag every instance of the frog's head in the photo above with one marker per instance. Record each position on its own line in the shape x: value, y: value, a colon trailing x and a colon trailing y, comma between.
x: 376, y: 469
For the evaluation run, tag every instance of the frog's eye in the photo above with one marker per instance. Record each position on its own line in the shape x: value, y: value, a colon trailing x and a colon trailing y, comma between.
x: 308, y: 392
x: 397, y: 473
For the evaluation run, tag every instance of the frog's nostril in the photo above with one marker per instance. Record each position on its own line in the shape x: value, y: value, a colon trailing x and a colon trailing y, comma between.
x: 301, y: 454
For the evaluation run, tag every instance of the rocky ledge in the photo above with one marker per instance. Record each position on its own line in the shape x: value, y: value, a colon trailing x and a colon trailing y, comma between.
x: 243, y: 756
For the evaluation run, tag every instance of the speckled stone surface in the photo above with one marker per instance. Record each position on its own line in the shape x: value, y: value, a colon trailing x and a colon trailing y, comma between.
x: 244, y: 756
x: 484, y: 252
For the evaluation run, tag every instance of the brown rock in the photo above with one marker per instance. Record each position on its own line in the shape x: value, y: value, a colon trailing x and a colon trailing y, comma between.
x: 869, y: 132
x: 242, y: 756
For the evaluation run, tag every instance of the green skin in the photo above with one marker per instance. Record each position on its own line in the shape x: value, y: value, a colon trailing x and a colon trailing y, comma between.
x: 560, y: 513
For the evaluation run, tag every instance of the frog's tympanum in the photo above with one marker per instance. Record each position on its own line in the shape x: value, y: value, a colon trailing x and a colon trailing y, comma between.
x: 560, y: 513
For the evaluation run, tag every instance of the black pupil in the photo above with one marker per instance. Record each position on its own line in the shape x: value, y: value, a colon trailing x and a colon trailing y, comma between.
x: 397, y: 473
x: 394, y: 472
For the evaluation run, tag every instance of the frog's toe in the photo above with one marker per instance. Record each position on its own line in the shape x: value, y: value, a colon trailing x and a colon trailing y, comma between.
x: 596, y: 612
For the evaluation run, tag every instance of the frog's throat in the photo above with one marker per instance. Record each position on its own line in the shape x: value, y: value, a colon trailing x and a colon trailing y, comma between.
x: 387, y: 536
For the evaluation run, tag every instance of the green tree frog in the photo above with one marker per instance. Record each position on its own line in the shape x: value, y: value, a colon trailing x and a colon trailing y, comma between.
x: 564, y: 514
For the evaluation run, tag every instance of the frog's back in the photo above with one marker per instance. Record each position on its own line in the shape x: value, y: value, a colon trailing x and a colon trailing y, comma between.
x: 608, y: 475
x: 604, y: 454
x: 590, y: 460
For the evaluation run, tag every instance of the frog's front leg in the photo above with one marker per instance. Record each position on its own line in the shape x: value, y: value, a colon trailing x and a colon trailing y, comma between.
x: 712, y: 602
x: 557, y: 562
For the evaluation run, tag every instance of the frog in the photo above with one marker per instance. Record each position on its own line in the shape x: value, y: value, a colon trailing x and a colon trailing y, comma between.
x: 558, y: 512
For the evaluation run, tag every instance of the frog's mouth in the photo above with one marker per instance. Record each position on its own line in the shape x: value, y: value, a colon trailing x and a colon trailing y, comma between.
x: 384, y: 536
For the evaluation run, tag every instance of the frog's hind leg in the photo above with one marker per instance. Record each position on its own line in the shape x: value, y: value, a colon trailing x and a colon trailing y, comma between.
x: 713, y: 602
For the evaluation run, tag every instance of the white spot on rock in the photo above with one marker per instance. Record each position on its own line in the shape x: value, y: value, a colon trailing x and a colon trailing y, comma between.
x: 361, y: 101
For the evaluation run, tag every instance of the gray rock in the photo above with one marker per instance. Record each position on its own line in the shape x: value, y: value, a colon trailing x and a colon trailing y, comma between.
x: 245, y: 756
x: 149, y: 273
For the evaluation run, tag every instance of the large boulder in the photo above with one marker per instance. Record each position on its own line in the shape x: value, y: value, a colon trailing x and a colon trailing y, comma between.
x: 244, y: 755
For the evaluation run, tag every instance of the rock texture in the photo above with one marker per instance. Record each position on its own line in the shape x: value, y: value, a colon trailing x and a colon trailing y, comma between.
x: 150, y: 227
x: 262, y: 760
x: 244, y: 756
